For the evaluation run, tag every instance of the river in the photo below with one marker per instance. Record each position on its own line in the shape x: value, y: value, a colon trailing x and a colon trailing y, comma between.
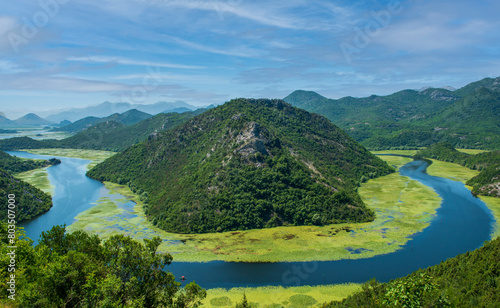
x: 462, y: 223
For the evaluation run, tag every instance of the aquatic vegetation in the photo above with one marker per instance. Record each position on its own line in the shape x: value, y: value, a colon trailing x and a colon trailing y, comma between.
x: 94, y: 155
x: 277, y: 296
x: 391, y: 197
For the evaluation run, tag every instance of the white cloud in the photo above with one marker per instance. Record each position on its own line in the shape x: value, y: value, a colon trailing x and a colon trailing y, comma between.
x: 64, y: 84
x: 9, y: 67
x: 238, y: 8
x: 7, y: 24
x: 123, y: 61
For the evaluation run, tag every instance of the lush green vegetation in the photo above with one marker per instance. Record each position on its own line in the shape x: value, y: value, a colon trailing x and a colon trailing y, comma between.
x: 487, y: 182
x: 113, y: 136
x: 78, y: 270
x: 93, y: 155
x: 15, y: 164
x: 127, y: 118
x: 402, y: 207
x: 467, y: 117
x: 106, y: 135
x: 247, y: 164
x: 30, y: 201
x: 468, y: 280
x: 271, y: 296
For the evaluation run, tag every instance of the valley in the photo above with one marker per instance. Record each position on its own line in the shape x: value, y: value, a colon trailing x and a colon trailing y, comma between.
x: 261, y: 198
x: 111, y: 216
x: 249, y: 154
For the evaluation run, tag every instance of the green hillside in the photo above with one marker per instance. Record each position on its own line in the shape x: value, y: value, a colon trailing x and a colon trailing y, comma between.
x: 468, y: 280
x: 77, y: 126
x: 487, y: 182
x: 15, y: 164
x: 468, y: 117
x: 113, y: 136
x: 30, y: 201
x: 247, y: 164
x: 107, y: 136
x: 129, y: 117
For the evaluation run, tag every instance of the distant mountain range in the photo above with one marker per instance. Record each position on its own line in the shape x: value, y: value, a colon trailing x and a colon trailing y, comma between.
x: 107, y: 108
x: 107, y: 133
x: 467, y: 117
x: 127, y: 118
x: 29, y: 119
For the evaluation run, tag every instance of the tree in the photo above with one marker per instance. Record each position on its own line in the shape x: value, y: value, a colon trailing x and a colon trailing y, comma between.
x: 244, y: 303
x: 79, y: 270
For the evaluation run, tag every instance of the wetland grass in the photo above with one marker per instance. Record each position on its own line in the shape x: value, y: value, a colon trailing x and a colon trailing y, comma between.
x: 451, y: 171
x: 38, y: 178
x: 271, y: 296
x: 92, y: 155
x: 393, y: 197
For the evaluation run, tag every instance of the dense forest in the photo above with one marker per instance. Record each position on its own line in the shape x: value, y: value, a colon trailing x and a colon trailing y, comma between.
x: 106, y: 135
x: 247, y: 164
x: 30, y: 201
x: 487, y: 182
x: 127, y: 118
x: 79, y: 270
x: 466, y: 118
x: 467, y: 280
x: 15, y: 164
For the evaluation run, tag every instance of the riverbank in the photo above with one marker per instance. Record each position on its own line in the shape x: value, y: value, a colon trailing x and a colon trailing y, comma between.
x: 304, y: 296
x: 459, y: 173
x: 94, y: 156
x: 40, y: 178
x: 392, y: 197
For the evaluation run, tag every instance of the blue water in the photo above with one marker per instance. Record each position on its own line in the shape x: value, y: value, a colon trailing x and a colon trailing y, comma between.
x: 462, y: 223
x: 74, y: 193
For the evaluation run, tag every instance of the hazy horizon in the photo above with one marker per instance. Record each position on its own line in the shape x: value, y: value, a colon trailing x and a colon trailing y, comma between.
x: 62, y: 54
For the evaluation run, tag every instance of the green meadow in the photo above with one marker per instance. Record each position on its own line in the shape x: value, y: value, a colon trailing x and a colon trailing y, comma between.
x: 451, y: 171
x: 271, y: 296
x: 396, y: 152
x: 493, y: 204
x: 92, y: 155
x: 38, y: 178
x: 472, y: 151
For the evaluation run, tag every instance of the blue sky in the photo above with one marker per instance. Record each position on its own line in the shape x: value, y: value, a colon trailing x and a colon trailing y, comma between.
x: 57, y: 54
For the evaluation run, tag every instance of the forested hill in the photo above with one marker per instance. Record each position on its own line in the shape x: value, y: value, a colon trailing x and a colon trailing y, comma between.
x: 30, y: 201
x: 127, y: 118
x: 113, y: 136
x: 467, y: 117
x: 108, y: 136
x: 247, y: 164
x: 487, y: 182
x: 15, y: 164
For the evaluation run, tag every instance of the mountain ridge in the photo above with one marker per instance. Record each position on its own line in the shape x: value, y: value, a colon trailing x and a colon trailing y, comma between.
x: 247, y: 164
x: 415, y: 118
x: 106, y: 109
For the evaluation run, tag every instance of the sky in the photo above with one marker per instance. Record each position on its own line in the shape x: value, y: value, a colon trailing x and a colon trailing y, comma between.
x: 60, y: 54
